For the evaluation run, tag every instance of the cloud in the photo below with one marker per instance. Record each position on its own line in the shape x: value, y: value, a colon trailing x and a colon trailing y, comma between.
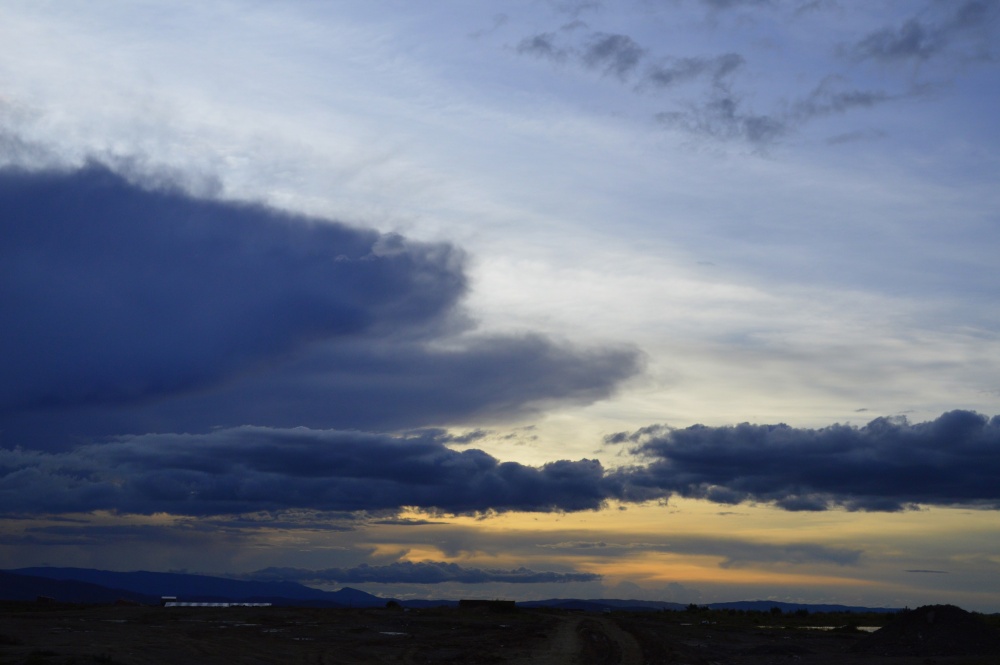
x: 620, y: 55
x: 724, y: 117
x: 542, y: 45
x: 887, y: 465
x: 118, y: 294
x: 829, y: 97
x: 968, y: 30
x: 733, y: 553
x: 911, y: 40
x: 613, y: 54
x: 131, y: 309
x: 733, y: 4
x: 423, y: 572
x: 723, y: 112
x: 678, y: 70
x: 721, y: 115
x: 860, y: 135
x: 248, y: 469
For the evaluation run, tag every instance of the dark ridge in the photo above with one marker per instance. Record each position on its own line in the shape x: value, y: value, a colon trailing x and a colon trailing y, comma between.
x: 932, y: 630
x: 28, y: 587
x: 194, y: 588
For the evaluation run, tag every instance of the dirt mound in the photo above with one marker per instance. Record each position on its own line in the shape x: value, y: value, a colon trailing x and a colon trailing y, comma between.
x: 932, y: 630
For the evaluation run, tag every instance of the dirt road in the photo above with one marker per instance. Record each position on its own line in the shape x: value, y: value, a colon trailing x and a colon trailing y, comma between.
x: 587, y: 640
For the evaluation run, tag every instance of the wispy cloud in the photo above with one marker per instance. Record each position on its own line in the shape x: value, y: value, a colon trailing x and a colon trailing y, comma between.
x: 422, y: 572
x: 963, y: 29
x: 733, y: 553
x: 612, y: 54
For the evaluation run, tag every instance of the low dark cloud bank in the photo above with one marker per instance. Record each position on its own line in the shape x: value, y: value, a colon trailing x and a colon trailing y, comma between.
x: 887, y: 465
x: 130, y: 309
x: 424, y: 572
x: 250, y: 469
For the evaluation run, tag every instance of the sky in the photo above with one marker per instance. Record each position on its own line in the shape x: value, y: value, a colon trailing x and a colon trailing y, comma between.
x: 682, y: 300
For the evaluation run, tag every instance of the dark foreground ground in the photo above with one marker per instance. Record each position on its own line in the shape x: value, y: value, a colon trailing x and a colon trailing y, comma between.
x: 60, y: 634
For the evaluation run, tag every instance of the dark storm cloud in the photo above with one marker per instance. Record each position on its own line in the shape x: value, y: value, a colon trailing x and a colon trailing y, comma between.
x: 249, y: 469
x: 966, y: 28
x: 887, y: 465
x: 424, y: 572
x: 367, y: 383
x: 116, y: 294
x: 130, y: 309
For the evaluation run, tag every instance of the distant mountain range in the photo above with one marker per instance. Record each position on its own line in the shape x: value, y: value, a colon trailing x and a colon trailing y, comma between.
x: 86, y: 585
x: 98, y: 586
x: 601, y: 604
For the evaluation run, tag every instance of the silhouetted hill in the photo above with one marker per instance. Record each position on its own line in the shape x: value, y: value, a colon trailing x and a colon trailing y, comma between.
x: 419, y: 603
x: 766, y: 605
x: 933, y: 630
x: 206, y: 588
x: 100, y: 586
x: 14, y: 586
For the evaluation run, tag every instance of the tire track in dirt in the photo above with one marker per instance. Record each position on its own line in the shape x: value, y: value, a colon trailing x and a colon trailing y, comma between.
x: 579, y: 640
x: 603, y: 642
x: 562, y: 648
x: 630, y: 653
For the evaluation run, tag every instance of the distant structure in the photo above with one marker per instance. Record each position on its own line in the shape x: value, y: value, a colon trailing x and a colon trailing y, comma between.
x: 488, y: 605
x: 175, y: 603
x: 171, y: 601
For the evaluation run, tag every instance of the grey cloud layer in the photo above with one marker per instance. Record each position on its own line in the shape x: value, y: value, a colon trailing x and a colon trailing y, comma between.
x: 734, y: 553
x: 250, y: 469
x: 424, y: 572
x: 130, y: 309
x: 887, y: 465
